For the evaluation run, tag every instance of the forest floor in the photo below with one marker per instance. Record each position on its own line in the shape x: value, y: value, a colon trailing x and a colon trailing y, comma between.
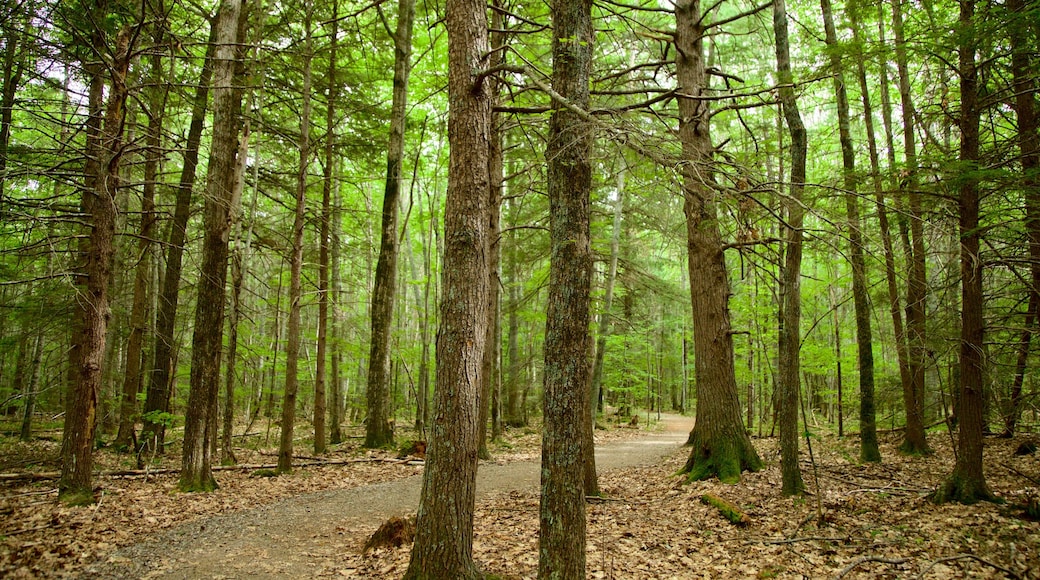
x: 876, y: 520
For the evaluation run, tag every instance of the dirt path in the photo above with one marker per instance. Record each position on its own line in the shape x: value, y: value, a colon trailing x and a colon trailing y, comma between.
x: 300, y: 537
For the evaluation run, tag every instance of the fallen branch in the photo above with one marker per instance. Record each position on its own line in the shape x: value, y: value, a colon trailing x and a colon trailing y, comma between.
x: 865, y: 559
x: 967, y: 557
x: 729, y: 511
x: 845, y: 539
x: 1023, y: 475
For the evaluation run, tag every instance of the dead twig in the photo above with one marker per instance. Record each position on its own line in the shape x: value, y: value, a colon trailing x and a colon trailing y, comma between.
x: 968, y: 557
x: 864, y: 559
x: 845, y: 539
x: 1023, y: 475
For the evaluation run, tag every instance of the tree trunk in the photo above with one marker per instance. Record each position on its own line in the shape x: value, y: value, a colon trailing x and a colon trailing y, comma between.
x: 133, y: 377
x: 603, y: 331
x: 378, y: 429
x: 292, y: 334
x: 444, y: 528
x: 719, y: 444
x: 791, y: 308
x: 15, y: 62
x: 861, y: 301
x: 967, y: 483
x: 32, y: 388
x: 101, y: 179
x: 158, y: 394
x: 335, y: 375
x: 567, y: 431
x: 196, y: 458
x: 1029, y: 154
x: 915, y: 441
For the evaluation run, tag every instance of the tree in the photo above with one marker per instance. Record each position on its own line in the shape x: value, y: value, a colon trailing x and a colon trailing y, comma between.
x: 293, y: 331
x: 719, y: 445
x: 444, y: 526
x: 104, y: 149
x: 565, y: 441
x: 378, y: 428
x: 967, y: 483
x: 196, y: 459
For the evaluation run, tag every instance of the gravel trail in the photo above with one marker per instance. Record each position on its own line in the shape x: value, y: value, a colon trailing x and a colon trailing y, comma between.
x: 299, y: 537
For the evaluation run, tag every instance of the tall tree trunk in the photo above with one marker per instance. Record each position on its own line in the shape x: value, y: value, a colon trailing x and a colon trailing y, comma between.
x: 133, y: 377
x: 603, y: 330
x: 293, y: 332
x: 719, y: 444
x: 101, y: 180
x: 378, y: 429
x: 791, y: 302
x: 158, y: 393
x: 967, y: 483
x: 196, y: 459
x: 566, y: 436
x: 335, y: 298
x: 861, y: 301
x: 320, y: 403
x: 15, y: 62
x: 32, y: 388
x: 1029, y: 154
x: 444, y: 528
x: 914, y: 440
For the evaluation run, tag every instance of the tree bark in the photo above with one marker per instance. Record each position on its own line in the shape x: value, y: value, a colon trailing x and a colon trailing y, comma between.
x: 196, y: 458
x: 789, y: 372
x: 101, y: 179
x: 566, y: 436
x: 444, y: 528
x: 719, y: 444
x: 860, y: 298
x: 915, y: 440
x: 158, y: 393
x: 967, y: 483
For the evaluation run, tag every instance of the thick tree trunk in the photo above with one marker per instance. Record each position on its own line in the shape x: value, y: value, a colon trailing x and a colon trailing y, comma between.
x: 101, y: 180
x: 565, y: 441
x: 719, y: 444
x: 914, y: 441
x: 379, y: 431
x: 196, y: 459
x: 293, y: 331
x: 444, y: 527
x: 1029, y: 154
x: 967, y: 483
x: 158, y: 393
x: 789, y: 373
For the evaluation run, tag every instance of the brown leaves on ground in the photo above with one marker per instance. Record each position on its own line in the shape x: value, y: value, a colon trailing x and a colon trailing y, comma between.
x: 876, y: 521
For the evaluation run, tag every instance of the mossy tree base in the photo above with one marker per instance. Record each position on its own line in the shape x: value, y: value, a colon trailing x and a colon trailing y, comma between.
x: 722, y: 457
x: 963, y: 490
x: 204, y: 485
x: 76, y: 497
x: 915, y: 449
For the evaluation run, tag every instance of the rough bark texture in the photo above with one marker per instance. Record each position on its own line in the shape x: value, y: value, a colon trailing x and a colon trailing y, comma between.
x: 914, y: 440
x: 1029, y: 154
x: 378, y: 430
x: 101, y: 179
x: 789, y: 373
x: 196, y: 459
x: 293, y: 330
x: 860, y: 298
x: 719, y: 445
x: 444, y: 527
x: 967, y: 483
x: 158, y: 393
x: 561, y: 549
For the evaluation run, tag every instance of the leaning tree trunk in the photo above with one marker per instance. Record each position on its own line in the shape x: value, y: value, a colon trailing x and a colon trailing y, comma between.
x: 1029, y: 153
x: 444, y: 527
x: 379, y: 431
x: 101, y: 179
x: 196, y: 459
x: 967, y: 483
x: 791, y: 307
x: 719, y: 444
x: 861, y: 301
x: 915, y: 440
x: 158, y: 392
x: 561, y: 547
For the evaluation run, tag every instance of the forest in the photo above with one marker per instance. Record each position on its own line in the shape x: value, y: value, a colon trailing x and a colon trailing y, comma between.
x: 253, y: 249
